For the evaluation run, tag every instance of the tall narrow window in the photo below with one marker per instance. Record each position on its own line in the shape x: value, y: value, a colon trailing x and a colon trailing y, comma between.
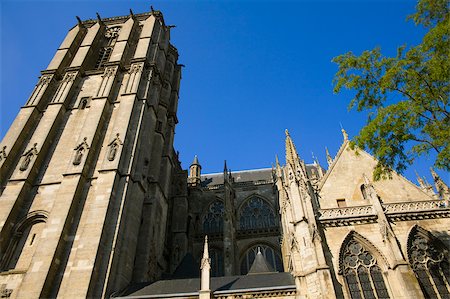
x: 430, y: 264
x: 111, y: 36
x: 362, y: 274
x: 216, y: 256
x: 213, y: 220
x: 257, y: 213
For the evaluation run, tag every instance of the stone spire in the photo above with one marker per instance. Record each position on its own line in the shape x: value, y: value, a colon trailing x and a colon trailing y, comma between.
x: 291, y: 151
x: 424, y: 185
x: 442, y: 188
x: 329, y: 159
x: 195, y: 169
x: 278, y: 167
x: 205, y: 268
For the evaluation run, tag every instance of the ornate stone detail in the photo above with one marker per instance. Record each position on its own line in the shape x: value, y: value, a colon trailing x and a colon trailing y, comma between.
x: 112, y: 32
x: 346, y: 212
x: 109, y: 71
x: 314, y: 232
x: 28, y: 157
x: 135, y: 68
x: 416, y: 206
x: 113, y: 147
x: 79, y: 152
x: 3, y: 154
x: 69, y: 77
x: 45, y: 80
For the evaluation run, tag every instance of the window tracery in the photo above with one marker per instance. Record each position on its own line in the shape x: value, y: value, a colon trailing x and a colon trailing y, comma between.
x: 257, y: 213
x: 216, y: 256
x: 272, y: 257
x: 213, y: 220
x: 362, y: 274
x: 430, y: 265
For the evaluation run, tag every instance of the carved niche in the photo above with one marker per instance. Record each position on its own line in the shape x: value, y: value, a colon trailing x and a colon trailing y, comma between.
x: 27, y: 157
x: 113, y: 147
x: 80, y: 151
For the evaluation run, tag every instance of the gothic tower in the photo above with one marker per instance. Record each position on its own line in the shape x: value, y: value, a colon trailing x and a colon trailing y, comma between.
x: 88, y: 162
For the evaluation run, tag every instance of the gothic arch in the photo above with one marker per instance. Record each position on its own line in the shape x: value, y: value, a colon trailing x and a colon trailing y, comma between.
x: 19, y: 236
x: 217, y: 261
x: 212, y: 217
x: 362, y: 268
x: 256, y: 212
x: 274, y: 259
x: 353, y: 235
x: 428, y: 258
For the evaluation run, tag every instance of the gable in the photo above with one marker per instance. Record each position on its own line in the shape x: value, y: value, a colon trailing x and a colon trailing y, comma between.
x: 345, y: 176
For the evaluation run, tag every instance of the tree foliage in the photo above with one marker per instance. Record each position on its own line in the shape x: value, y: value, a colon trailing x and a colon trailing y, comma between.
x: 406, y: 96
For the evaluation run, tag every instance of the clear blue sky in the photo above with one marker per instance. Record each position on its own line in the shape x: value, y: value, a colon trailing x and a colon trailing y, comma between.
x: 253, y: 69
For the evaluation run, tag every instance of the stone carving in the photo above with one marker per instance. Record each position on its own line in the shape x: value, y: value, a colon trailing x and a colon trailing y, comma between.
x: 80, y: 149
x: 112, y: 32
x: 314, y: 232
x: 415, y: 206
x: 113, y: 148
x: 3, y: 154
x: 109, y: 71
x: 69, y: 77
x: 135, y: 68
x: 45, y: 79
x: 346, y: 212
x: 28, y: 157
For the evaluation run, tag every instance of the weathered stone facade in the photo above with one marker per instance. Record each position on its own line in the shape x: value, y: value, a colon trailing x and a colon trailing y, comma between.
x: 94, y: 201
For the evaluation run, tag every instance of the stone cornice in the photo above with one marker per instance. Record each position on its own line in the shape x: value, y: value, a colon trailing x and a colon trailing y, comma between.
x: 401, y: 211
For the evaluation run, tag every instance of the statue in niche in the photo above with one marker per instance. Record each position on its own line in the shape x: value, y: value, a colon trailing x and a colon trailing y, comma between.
x: 80, y: 152
x: 114, y: 147
x: 3, y: 154
x: 28, y: 157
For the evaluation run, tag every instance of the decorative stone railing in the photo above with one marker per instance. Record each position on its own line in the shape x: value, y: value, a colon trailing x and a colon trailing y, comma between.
x: 415, y: 206
x: 346, y: 212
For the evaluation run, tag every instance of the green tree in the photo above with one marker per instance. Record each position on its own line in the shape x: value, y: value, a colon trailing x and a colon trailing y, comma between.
x: 406, y: 96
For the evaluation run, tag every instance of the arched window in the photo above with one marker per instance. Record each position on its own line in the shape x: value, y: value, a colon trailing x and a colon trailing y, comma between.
x: 362, y: 274
x: 23, y: 242
x: 272, y: 257
x: 256, y: 213
x: 213, y: 220
x: 216, y: 256
x: 429, y: 262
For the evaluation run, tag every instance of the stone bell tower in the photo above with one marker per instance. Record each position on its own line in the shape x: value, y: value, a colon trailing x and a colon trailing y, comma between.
x: 88, y: 160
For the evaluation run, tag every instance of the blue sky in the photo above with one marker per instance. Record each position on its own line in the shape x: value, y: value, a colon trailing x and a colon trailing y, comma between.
x: 252, y: 69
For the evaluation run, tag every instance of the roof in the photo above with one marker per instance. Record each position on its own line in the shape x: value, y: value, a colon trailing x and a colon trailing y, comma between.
x: 219, y: 285
x: 259, y: 265
x: 263, y: 174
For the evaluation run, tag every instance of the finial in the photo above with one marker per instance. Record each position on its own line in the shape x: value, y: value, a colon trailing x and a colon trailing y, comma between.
x: 344, y: 133
x: 80, y: 23
x: 195, y: 160
x: 329, y: 159
x: 98, y: 17
x: 286, y: 132
x: 151, y: 8
x: 277, y: 162
x: 225, y: 169
x: 259, y: 250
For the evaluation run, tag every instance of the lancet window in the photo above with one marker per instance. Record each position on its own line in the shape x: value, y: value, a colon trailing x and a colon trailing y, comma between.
x: 271, y: 255
x: 111, y: 36
x: 216, y: 256
x: 256, y: 213
x: 362, y: 274
x: 430, y: 264
x: 213, y: 219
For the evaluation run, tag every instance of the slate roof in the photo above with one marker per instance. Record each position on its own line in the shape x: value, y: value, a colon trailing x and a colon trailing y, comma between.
x: 252, y: 175
x: 259, y: 265
x: 218, y: 285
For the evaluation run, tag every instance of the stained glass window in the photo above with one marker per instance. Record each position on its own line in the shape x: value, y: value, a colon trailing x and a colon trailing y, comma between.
x: 430, y: 266
x: 257, y: 213
x: 216, y: 256
x: 213, y: 220
x: 271, y: 256
x: 362, y: 274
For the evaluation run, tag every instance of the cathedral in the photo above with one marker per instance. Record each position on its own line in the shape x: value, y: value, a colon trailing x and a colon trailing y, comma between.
x: 94, y: 202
